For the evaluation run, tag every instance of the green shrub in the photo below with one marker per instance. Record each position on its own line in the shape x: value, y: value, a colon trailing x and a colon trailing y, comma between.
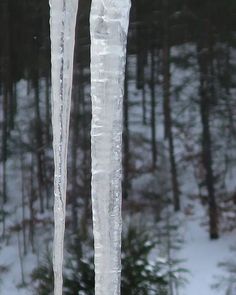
x: 142, y: 272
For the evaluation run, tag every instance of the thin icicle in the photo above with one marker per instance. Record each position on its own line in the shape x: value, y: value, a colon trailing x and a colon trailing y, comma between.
x: 62, y: 27
x: 109, y: 24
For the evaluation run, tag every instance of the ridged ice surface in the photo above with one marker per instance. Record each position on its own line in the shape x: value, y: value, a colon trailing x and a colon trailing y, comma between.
x: 108, y: 24
x: 62, y: 29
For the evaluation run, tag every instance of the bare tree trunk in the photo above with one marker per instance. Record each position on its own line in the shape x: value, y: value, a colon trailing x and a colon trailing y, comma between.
x: 144, y: 102
x: 39, y: 146
x: 167, y: 108
x: 48, y: 117
x: 153, y: 108
x: 6, y: 92
x: 207, y: 161
x: 21, y: 257
x: 140, y: 58
x: 206, y: 95
x: 74, y: 145
x: 86, y: 176
x: 126, y: 154
x: 6, y: 87
x: 4, y: 146
x: 23, y: 204
x: 31, y: 205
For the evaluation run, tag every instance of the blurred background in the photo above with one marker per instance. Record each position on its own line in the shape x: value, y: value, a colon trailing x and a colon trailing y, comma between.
x: 179, y: 151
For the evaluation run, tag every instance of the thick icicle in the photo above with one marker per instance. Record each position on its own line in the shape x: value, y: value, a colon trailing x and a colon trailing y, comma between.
x: 109, y: 24
x: 62, y: 26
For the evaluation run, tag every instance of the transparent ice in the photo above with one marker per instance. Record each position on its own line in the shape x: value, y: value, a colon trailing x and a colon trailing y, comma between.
x: 62, y: 31
x: 108, y: 28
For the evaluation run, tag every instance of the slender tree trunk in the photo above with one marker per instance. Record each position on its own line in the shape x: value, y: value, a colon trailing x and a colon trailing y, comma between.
x: 206, y: 97
x: 74, y: 145
x: 39, y: 146
x: 23, y: 204
x: 6, y: 86
x: 207, y: 161
x: 142, y: 48
x: 4, y: 145
x: 167, y: 108
x: 140, y: 58
x: 144, y: 102
x: 31, y: 205
x: 48, y: 117
x: 86, y: 158
x: 12, y: 101
x: 153, y: 108
x: 21, y: 257
x: 126, y: 155
x: 6, y: 93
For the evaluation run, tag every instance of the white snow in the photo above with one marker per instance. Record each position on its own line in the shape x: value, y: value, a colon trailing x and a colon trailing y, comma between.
x: 201, y: 254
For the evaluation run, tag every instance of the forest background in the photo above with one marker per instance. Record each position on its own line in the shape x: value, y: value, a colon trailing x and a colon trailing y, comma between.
x: 179, y: 141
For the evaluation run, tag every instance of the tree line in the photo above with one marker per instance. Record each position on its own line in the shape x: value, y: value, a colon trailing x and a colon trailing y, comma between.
x: 179, y: 106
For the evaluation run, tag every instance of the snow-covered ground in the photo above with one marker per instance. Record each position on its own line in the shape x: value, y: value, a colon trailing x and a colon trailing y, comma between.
x: 202, y: 255
x: 201, y: 258
x: 11, y: 280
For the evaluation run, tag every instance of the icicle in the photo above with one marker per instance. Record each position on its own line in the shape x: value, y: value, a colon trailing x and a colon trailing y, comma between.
x: 109, y: 24
x: 62, y: 26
